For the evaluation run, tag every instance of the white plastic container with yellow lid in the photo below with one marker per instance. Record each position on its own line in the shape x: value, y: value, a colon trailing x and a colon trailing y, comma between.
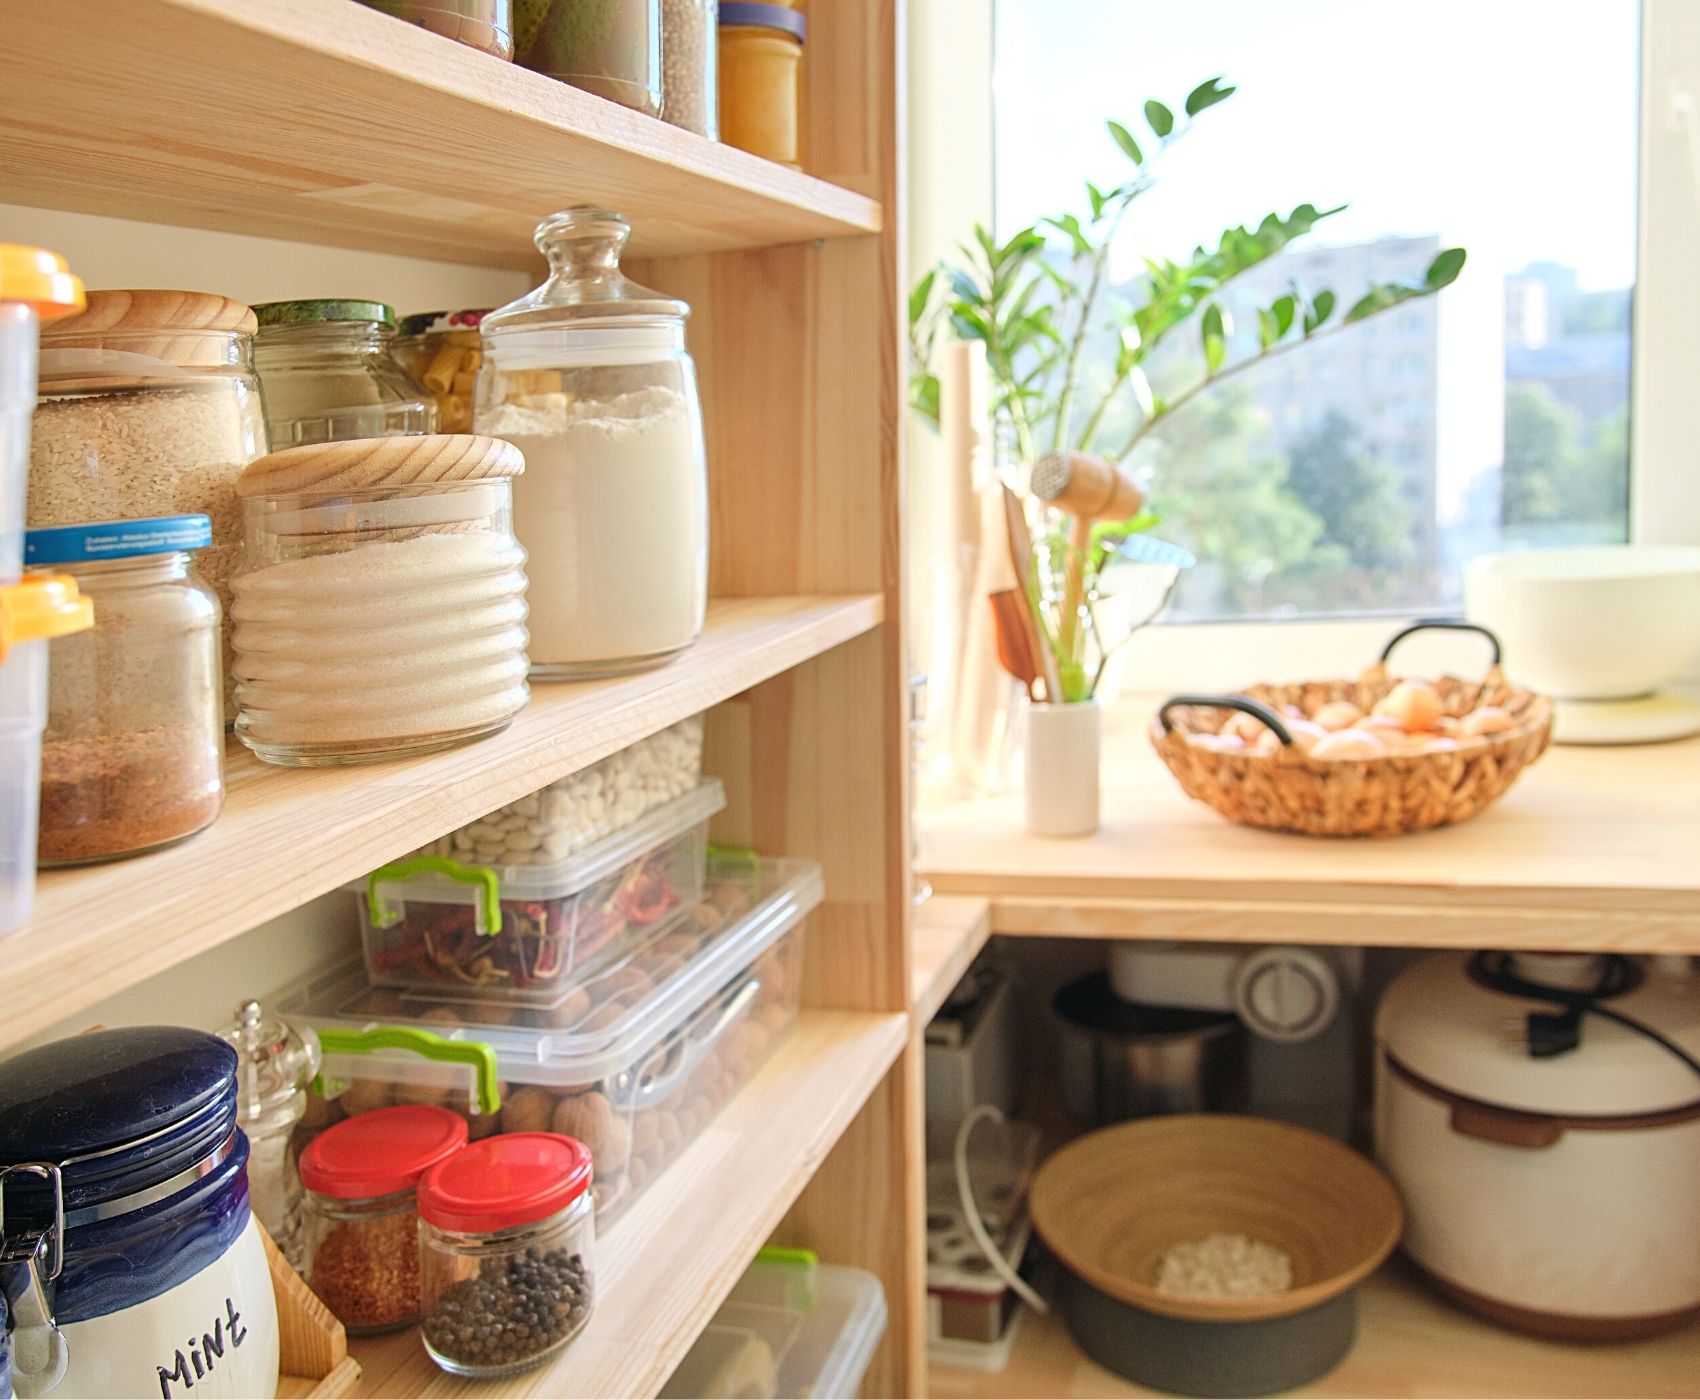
x: 31, y: 613
x: 35, y: 286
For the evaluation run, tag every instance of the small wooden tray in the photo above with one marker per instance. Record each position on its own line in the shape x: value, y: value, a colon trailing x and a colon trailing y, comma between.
x: 312, y: 1351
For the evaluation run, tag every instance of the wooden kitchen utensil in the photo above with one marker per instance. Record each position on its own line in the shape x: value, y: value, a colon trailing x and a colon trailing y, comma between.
x: 1090, y: 489
x: 1018, y: 642
x: 1021, y: 560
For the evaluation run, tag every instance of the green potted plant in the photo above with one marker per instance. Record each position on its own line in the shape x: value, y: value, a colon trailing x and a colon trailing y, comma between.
x: 1069, y: 358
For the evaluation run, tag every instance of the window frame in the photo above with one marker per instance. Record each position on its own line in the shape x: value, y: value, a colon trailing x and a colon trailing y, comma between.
x: 1664, y: 408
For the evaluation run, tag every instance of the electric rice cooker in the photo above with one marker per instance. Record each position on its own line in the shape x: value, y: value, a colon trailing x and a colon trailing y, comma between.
x: 1540, y: 1115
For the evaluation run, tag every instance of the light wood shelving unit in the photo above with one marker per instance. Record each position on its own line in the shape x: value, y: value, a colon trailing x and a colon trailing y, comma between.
x: 1592, y: 850
x: 323, y: 122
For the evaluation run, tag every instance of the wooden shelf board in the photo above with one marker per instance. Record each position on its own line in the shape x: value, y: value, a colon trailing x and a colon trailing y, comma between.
x: 946, y: 935
x: 1592, y: 848
x: 1410, y: 1343
x: 667, y: 1264
x: 322, y: 121
x: 289, y: 834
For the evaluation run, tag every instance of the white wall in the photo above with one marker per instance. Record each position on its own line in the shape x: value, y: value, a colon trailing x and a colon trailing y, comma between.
x: 121, y: 253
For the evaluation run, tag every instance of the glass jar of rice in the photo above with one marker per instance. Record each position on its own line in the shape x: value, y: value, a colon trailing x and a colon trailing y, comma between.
x: 379, y: 609
x: 148, y: 406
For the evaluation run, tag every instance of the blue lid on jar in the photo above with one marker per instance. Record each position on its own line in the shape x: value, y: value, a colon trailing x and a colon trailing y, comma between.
x: 116, y: 539
x: 738, y: 15
x: 120, y: 1111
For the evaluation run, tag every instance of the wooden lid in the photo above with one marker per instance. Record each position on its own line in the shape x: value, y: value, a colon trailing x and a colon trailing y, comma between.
x: 158, y: 324
x: 362, y: 463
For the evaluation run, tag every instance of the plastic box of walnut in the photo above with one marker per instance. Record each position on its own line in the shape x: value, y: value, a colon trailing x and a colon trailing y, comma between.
x: 633, y: 1062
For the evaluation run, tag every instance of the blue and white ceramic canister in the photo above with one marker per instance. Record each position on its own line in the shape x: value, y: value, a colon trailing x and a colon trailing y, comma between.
x: 130, y: 1261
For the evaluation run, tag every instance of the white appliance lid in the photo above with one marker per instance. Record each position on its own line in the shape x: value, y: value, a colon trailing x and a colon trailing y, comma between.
x: 1445, y: 1026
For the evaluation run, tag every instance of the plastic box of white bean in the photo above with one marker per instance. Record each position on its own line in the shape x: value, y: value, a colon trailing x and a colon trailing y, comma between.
x: 583, y: 807
x: 531, y: 933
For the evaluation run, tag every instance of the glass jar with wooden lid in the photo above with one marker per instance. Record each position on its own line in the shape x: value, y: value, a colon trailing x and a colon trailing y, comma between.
x: 148, y: 407
x: 380, y: 607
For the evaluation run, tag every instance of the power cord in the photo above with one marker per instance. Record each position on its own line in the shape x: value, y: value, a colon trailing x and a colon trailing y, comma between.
x: 1559, y: 1032
x: 1003, y: 1268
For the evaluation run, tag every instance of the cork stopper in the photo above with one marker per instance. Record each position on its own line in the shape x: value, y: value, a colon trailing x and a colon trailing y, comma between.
x: 364, y: 463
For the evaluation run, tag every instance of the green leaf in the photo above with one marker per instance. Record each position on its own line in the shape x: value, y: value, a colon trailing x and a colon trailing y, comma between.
x: 1081, y: 244
x: 1214, y: 332
x: 1282, y: 310
x: 1380, y: 298
x: 965, y: 288
x: 1207, y: 94
x: 1159, y: 118
x: 1444, y: 270
x: 1319, y: 311
x: 969, y: 324
x: 1142, y: 395
x: 1096, y: 197
x: 920, y: 296
x: 1124, y: 139
x: 924, y: 397
x: 1268, y: 329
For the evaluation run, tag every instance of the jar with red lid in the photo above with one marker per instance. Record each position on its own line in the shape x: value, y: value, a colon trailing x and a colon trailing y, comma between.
x: 505, y: 1243
x: 361, y: 1208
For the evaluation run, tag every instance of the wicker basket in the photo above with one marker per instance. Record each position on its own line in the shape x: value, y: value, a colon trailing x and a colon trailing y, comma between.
x: 1288, y: 790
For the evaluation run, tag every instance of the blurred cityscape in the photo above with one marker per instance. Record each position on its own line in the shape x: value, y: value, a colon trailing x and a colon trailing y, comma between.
x: 1360, y: 472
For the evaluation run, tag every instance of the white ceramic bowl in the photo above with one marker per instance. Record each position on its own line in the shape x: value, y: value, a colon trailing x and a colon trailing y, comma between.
x: 1600, y: 622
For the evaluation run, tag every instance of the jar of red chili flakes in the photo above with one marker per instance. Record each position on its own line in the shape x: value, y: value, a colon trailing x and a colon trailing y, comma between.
x: 362, y: 1211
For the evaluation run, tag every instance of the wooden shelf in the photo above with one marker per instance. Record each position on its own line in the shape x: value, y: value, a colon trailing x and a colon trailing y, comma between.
x: 1409, y: 1344
x: 667, y: 1264
x: 946, y: 935
x: 323, y: 121
x: 289, y: 834
x: 1592, y: 849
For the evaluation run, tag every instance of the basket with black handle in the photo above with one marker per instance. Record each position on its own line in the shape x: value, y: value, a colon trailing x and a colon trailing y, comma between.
x: 1278, y: 784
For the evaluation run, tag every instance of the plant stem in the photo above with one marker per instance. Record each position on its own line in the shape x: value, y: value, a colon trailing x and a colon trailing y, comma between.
x: 1088, y: 303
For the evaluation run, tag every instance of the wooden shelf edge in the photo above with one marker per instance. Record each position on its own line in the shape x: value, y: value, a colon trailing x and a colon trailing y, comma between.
x: 1409, y: 1343
x: 333, y: 123
x: 289, y: 834
x: 669, y: 1262
x: 946, y: 935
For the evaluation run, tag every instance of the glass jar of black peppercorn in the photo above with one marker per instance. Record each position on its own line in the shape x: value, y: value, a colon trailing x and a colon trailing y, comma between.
x: 505, y: 1244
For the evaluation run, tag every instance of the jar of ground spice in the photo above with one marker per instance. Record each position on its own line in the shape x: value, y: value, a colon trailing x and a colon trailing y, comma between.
x: 505, y: 1242
x: 361, y: 1210
x: 132, y: 757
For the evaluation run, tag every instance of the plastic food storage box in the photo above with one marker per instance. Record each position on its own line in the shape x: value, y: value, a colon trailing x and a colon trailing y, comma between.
x: 527, y: 932
x: 790, y: 1327
x: 633, y: 1062
x: 554, y: 822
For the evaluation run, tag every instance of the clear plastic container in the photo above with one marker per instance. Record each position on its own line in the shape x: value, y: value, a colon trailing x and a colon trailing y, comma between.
x: 479, y: 24
x: 689, y: 66
x: 761, y: 59
x: 506, y: 1253
x: 133, y: 756
x: 608, y: 47
x: 149, y: 407
x: 328, y: 374
x: 633, y: 1063
x: 554, y: 822
x: 35, y: 286
x: 32, y: 611
x: 443, y: 351
x: 588, y: 376
x: 362, y: 1211
x: 380, y: 607
x: 526, y: 933
x: 790, y: 1327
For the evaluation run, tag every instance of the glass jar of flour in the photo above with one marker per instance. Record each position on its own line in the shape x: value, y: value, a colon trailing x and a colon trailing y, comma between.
x: 589, y: 378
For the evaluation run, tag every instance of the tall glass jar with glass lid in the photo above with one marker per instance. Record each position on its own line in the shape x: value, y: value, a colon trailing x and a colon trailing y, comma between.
x: 328, y: 374
x: 589, y: 377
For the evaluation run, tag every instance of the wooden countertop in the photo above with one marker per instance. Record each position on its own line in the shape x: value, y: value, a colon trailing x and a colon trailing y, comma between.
x: 1592, y: 848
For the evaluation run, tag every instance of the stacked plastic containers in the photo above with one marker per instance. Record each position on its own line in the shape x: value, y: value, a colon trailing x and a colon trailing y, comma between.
x: 626, y: 977
x: 35, y: 286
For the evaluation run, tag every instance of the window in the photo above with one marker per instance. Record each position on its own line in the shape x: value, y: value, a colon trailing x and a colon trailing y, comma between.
x: 1359, y: 475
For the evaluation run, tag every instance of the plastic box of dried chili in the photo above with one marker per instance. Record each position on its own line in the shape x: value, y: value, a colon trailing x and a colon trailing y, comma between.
x: 633, y: 1063
x: 531, y: 933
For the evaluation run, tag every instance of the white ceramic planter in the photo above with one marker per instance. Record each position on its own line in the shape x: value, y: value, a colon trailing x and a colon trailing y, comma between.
x: 1062, y: 749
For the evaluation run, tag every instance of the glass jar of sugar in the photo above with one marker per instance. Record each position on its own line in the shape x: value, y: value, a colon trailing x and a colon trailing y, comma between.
x: 379, y: 610
x: 588, y: 376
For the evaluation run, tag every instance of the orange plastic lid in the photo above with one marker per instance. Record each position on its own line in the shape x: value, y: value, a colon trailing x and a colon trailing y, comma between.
x: 40, y: 278
x: 42, y: 606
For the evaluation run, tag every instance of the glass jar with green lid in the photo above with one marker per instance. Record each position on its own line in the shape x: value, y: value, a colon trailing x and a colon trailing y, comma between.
x: 328, y: 374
